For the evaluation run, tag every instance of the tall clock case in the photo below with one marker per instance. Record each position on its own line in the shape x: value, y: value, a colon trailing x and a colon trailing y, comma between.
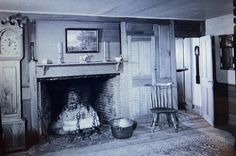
x: 11, y: 53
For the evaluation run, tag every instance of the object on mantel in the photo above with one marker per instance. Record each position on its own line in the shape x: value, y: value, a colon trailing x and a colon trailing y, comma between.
x: 119, y: 58
x: 32, y: 46
x: 84, y: 58
x: 60, y: 51
x: 104, y: 52
x: 46, y: 61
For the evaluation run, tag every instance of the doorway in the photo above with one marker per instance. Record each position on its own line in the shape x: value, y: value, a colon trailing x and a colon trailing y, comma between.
x: 194, y: 71
x: 183, y: 71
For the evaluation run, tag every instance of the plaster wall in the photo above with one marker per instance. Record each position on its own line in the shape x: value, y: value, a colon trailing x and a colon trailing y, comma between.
x: 220, y: 26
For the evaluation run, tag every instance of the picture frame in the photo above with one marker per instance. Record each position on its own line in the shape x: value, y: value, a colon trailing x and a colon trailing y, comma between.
x: 81, y: 40
x: 227, y: 52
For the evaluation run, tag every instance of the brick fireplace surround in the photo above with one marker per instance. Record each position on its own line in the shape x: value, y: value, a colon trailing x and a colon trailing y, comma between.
x: 96, y: 91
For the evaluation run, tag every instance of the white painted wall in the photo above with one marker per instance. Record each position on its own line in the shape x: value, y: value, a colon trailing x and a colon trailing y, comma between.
x: 219, y: 26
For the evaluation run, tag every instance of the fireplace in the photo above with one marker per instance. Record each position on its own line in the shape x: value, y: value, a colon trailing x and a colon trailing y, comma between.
x: 51, y: 82
x: 95, y: 91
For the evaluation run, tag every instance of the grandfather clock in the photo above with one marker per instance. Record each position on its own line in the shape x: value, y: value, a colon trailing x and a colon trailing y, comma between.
x: 11, y: 53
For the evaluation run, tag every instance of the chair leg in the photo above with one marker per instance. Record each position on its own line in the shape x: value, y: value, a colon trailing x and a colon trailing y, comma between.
x: 155, y: 121
x: 176, y: 116
x: 153, y: 117
x: 177, y: 120
x: 173, y: 118
x: 168, y: 119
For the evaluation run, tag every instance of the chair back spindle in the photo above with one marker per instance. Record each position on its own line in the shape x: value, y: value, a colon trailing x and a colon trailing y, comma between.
x: 161, y: 95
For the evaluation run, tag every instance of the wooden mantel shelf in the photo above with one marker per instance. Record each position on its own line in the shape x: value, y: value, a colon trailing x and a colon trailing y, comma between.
x: 77, y: 64
x: 77, y: 69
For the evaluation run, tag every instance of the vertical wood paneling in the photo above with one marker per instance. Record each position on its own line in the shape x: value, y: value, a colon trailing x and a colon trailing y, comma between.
x: 135, y: 68
x: 184, y: 78
x: 167, y: 58
x: 145, y: 69
x: 165, y: 53
x: 156, y: 54
x: 131, y: 101
x: 154, y: 63
x: 187, y: 73
x: 33, y: 99
x: 140, y: 65
x: 179, y: 43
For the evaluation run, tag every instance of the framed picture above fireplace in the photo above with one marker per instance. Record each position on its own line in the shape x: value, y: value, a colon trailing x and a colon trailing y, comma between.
x: 81, y: 40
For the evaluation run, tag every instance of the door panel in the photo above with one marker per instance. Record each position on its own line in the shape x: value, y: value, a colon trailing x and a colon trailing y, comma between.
x: 206, y: 73
x: 140, y: 70
x: 179, y: 46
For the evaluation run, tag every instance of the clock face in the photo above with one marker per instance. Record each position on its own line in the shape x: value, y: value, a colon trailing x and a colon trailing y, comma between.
x: 9, y: 42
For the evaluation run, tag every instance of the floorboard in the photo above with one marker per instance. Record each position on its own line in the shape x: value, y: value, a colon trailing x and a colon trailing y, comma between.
x: 195, y: 137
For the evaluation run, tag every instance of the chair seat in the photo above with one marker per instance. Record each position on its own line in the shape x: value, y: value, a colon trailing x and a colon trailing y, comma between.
x: 163, y: 110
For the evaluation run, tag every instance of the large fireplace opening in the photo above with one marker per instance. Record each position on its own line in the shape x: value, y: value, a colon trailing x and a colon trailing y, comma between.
x: 95, y: 93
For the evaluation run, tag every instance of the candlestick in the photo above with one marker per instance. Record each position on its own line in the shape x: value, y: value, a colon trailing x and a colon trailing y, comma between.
x: 104, y: 54
x: 60, y: 51
x: 32, y: 51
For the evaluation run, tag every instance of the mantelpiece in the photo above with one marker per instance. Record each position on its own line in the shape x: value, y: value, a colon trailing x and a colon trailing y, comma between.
x: 65, y: 70
x: 77, y: 69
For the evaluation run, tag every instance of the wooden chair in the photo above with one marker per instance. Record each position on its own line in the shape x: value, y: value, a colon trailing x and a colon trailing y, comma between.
x: 161, y: 99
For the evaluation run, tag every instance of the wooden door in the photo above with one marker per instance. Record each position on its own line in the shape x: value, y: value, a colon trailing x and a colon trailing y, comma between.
x: 196, y: 86
x: 140, y: 73
x: 206, y: 74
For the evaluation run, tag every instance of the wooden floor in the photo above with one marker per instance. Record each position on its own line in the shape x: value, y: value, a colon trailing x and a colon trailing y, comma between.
x: 195, y: 137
